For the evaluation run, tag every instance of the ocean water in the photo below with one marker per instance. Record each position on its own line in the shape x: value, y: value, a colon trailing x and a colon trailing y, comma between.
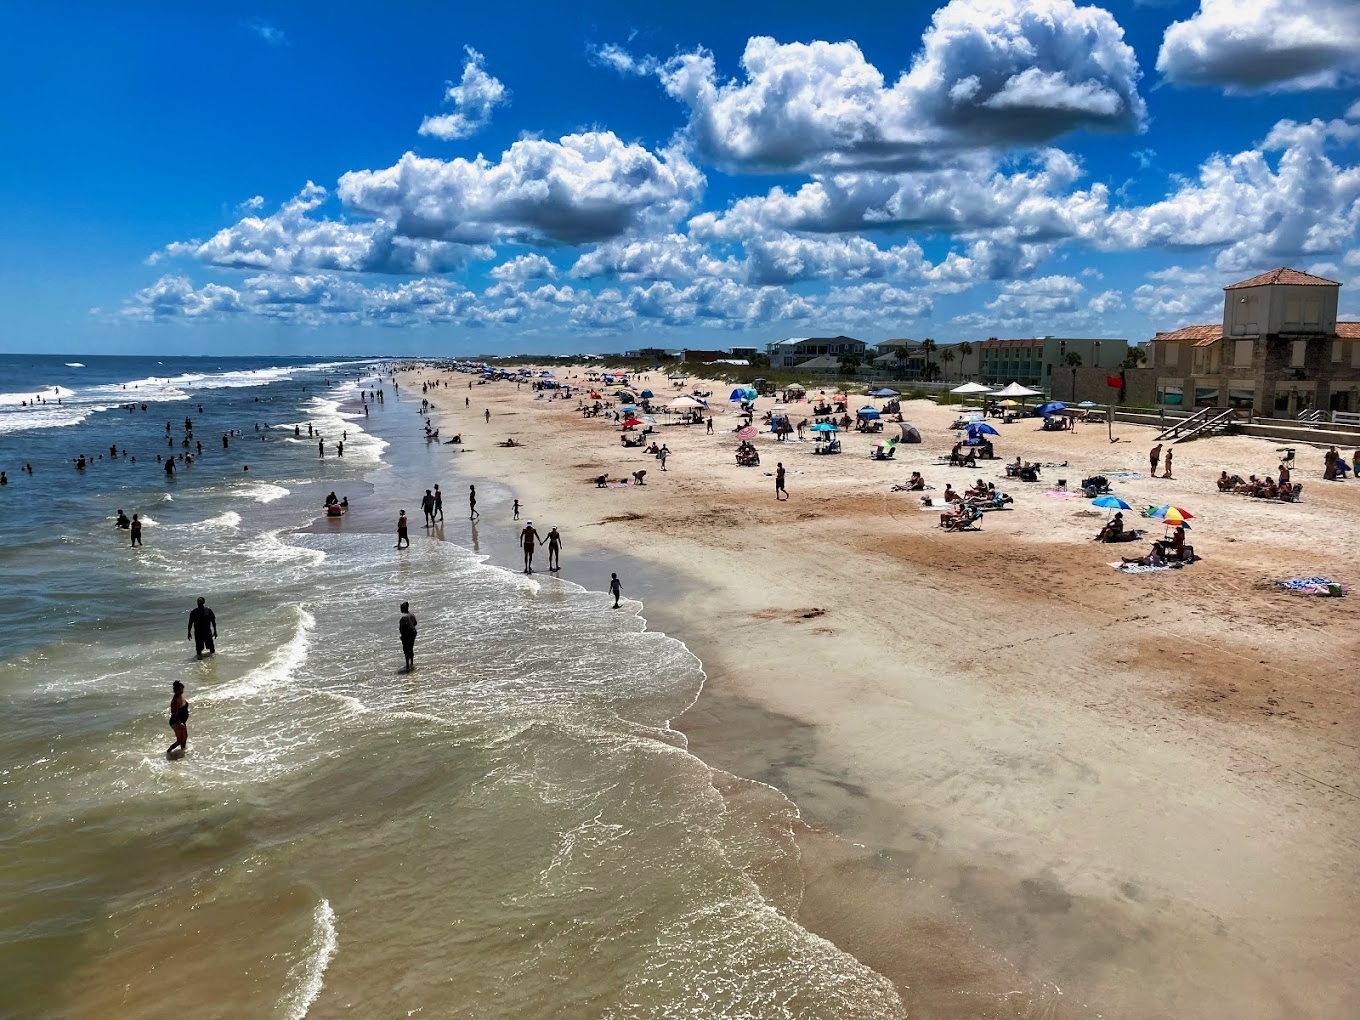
x: 513, y: 830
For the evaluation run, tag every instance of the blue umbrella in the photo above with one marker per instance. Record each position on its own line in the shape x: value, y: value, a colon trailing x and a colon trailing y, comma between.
x: 824, y: 426
x: 883, y: 391
x: 981, y: 428
x: 1111, y: 502
x: 1052, y: 407
x: 738, y: 394
x: 868, y: 413
x: 628, y: 407
x: 646, y: 394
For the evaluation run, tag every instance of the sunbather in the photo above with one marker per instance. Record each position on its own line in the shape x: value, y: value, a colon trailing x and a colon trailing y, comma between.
x: 1152, y: 559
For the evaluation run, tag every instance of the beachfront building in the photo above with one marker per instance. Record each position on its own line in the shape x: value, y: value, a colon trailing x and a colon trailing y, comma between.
x: 1032, y: 362
x: 795, y: 350
x: 1279, y: 350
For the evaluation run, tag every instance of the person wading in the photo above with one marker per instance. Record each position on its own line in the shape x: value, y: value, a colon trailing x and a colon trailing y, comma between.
x: 202, y: 628
x: 406, y: 629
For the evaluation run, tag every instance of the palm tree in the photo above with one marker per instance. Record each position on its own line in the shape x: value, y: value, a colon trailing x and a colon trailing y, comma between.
x: 965, y: 349
x: 902, y: 355
x: 1074, y: 360
x: 928, y: 348
x: 1135, y: 357
x: 947, y: 356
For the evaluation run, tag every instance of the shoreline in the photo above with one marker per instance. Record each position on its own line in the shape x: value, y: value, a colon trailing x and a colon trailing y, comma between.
x: 956, y: 906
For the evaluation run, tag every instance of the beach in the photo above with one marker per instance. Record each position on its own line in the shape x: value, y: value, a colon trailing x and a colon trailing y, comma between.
x: 1027, y: 784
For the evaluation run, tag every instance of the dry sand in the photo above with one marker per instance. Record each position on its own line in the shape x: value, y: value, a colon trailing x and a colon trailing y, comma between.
x: 1029, y: 785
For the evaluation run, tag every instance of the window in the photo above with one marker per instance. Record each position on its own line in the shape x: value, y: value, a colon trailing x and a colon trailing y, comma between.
x: 1241, y: 397
x: 1282, y: 401
x: 1298, y: 353
x: 1173, y: 355
x: 1293, y: 311
x: 1206, y: 396
x: 1337, y: 352
x: 1242, y: 351
x: 1171, y: 396
x: 1312, y: 312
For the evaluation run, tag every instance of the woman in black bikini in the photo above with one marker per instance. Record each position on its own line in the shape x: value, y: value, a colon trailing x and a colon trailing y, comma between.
x: 179, y: 720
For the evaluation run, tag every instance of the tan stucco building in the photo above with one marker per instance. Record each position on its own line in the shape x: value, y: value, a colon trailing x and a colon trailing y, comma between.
x: 1279, y: 350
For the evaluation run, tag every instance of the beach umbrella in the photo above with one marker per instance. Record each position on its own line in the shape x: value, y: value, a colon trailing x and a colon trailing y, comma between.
x: 971, y: 387
x: 883, y: 391
x: 868, y: 414
x: 1174, y: 514
x: 824, y: 426
x: 747, y: 433
x: 1009, y: 403
x: 981, y: 428
x: 910, y: 434
x: 629, y: 423
x: 1052, y: 407
x: 1110, y: 502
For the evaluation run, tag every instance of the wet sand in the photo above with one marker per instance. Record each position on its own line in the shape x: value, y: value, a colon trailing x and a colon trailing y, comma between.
x: 1029, y: 784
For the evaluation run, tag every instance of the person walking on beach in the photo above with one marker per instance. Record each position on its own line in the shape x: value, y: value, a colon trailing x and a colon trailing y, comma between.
x: 402, y: 535
x: 1155, y: 458
x: 779, y: 482
x: 515, y: 508
x: 528, y: 538
x: 472, y: 503
x: 615, y: 589
x: 406, y: 629
x: 467, y: 401
x: 487, y: 413
x: 438, y: 503
x: 554, y: 551
x: 202, y: 628
x: 1167, y: 473
x: 710, y: 425
x: 427, y: 505
x: 179, y: 721
x: 662, y: 454
x: 135, y: 528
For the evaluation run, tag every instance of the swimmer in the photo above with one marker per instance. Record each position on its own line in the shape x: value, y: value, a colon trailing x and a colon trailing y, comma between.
x: 202, y: 628
x: 179, y: 720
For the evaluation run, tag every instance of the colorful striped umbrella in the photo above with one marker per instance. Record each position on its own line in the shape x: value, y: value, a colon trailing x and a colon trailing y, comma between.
x: 748, y: 433
x: 1171, y: 514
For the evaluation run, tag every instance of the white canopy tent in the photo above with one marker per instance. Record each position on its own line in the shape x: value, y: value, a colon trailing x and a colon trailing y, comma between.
x: 685, y: 403
x: 1016, y: 390
x: 971, y: 387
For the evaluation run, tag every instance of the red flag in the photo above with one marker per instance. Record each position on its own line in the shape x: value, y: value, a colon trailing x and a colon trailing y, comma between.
x: 1114, y: 382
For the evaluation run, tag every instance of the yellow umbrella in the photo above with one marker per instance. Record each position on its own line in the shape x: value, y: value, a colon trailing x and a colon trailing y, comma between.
x: 1009, y: 403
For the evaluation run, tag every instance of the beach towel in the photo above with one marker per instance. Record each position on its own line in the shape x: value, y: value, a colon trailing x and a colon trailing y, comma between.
x: 1313, y: 586
x: 1123, y: 476
x: 1064, y: 494
x: 1137, y: 568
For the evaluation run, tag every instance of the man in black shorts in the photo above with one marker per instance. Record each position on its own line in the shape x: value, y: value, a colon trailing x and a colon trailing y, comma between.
x: 779, y: 482
x: 406, y: 628
x: 203, y: 629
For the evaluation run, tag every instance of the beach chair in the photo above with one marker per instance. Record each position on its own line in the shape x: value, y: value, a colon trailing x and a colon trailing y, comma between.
x: 970, y: 521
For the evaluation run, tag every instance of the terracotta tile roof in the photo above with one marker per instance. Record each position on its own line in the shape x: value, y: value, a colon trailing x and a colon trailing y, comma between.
x: 1284, y: 275
x: 1200, y: 336
x: 1348, y: 330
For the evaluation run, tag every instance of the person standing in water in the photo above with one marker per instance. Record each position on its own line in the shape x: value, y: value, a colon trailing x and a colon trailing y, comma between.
x: 402, y: 535
x: 554, y: 550
x: 406, y: 628
x: 202, y: 628
x: 615, y: 589
x: 472, y: 502
x: 122, y: 521
x: 179, y: 721
x: 438, y: 503
x: 427, y: 505
x: 136, y: 530
x: 528, y: 538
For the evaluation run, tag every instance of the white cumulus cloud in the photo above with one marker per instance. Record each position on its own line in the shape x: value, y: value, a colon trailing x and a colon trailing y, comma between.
x: 473, y: 98
x: 989, y: 74
x: 586, y: 187
x: 1264, y: 45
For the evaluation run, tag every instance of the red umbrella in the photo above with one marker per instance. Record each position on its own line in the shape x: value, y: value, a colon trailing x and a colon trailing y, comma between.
x: 748, y: 433
x: 631, y: 423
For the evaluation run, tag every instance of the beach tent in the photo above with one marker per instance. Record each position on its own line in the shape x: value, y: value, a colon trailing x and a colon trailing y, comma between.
x: 647, y: 394
x: 742, y: 394
x: 971, y: 387
x: 868, y: 414
x: 910, y: 434
x: 980, y: 428
x: 1016, y: 390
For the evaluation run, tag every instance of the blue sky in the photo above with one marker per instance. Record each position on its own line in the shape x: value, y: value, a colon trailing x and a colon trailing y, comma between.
x: 338, y: 178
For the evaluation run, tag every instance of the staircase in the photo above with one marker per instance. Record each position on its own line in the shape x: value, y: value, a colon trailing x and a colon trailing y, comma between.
x: 1205, y: 420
